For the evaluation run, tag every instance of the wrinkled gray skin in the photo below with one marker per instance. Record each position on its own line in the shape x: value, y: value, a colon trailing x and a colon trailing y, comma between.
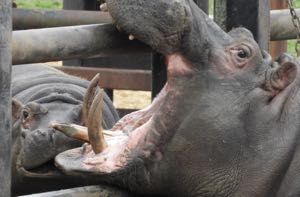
x: 41, y: 96
x: 229, y: 124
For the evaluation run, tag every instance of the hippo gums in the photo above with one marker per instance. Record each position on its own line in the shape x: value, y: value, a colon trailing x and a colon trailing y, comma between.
x: 41, y: 96
x: 226, y: 123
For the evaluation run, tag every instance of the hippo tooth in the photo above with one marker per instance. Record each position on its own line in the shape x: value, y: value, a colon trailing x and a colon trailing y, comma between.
x: 103, y: 7
x: 95, y: 132
x: 131, y: 37
x: 72, y: 130
x: 81, y: 132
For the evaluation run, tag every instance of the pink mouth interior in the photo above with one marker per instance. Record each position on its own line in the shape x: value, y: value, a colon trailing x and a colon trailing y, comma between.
x: 131, y: 133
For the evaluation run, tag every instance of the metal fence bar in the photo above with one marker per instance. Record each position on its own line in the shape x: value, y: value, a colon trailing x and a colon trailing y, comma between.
x: 41, y: 45
x: 88, y: 191
x: 203, y: 4
x: 44, y: 18
x: 123, y: 79
x: 5, y: 97
x: 277, y: 47
x: 282, y: 27
x: 253, y: 14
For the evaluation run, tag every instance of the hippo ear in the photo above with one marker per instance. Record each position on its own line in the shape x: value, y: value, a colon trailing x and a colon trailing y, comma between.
x: 16, y: 108
x: 284, y: 57
x: 281, y: 77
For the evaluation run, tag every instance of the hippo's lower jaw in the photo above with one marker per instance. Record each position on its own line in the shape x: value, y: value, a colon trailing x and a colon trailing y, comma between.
x: 46, y: 170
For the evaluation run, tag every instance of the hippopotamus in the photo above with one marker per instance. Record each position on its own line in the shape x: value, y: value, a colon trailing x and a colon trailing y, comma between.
x: 43, y: 95
x: 226, y: 123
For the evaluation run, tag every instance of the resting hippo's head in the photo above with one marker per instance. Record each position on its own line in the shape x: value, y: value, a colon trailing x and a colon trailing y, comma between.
x: 225, y: 124
x: 36, y: 143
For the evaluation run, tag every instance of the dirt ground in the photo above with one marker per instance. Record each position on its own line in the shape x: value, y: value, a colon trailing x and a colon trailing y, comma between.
x: 126, y: 99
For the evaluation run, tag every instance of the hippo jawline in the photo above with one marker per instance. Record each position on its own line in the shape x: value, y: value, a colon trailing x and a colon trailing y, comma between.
x: 46, y: 170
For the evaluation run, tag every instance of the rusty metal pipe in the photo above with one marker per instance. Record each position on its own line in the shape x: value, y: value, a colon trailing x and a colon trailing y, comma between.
x: 282, y: 27
x: 61, y: 43
x: 45, y: 18
x: 5, y: 100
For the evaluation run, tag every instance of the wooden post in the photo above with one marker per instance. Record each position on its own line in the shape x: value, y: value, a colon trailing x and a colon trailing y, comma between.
x: 159, y: 73
x: 81, y: 5
x: 5, y: 97
x: 203, y: 4
x: 277, y: 47
x: 251, y: 14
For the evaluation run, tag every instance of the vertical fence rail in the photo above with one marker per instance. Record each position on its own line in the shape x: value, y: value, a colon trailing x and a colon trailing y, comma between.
x: 5, y: 97
x: 278, y: 47
x: 203, y: 4
x: 252, y: 14
x: 159, y: 73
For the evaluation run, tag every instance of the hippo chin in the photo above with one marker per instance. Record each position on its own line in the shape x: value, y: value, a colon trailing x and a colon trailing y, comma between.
x: 225, y: 124
x: 42, y: 95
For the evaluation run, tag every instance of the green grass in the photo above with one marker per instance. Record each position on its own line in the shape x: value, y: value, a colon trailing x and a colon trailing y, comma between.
x: 291, y: 43
x: 53, y: 4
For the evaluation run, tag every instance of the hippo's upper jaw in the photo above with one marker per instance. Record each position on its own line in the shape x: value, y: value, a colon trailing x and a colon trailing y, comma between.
x: 225, y: 124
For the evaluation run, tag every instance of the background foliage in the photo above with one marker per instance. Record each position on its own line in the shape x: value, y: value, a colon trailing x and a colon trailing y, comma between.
x: 55, y: 4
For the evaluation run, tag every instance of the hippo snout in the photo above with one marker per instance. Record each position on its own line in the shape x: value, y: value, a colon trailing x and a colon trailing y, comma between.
x: 42, y: 145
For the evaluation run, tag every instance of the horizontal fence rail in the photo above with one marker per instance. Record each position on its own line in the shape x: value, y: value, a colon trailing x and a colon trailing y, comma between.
x: 62, y: 43
x: 282, y: 27
x: 88, y: 191
x: 123, y: 79
x: 44, y: 18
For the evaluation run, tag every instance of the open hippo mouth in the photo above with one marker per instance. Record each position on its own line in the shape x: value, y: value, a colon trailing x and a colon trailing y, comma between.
x: 111, y: 150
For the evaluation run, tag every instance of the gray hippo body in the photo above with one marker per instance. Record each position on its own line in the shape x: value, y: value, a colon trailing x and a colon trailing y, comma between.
x: 42, y: 95
x: 227, y: 123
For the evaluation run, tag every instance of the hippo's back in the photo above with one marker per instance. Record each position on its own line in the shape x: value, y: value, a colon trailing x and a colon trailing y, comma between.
x: 42, y: 83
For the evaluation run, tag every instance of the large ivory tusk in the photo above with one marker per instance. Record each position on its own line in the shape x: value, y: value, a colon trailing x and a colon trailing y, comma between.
x: 81, y: 132
x: 89, y: 97
x: 94, y: 124
x: 72, y: 130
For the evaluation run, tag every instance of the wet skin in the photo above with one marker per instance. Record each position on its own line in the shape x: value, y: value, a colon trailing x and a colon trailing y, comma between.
x: 225, y: 124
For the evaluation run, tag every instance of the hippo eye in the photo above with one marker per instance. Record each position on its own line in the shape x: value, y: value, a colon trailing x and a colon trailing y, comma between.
x: 25, y: 114
x: 242, y: 54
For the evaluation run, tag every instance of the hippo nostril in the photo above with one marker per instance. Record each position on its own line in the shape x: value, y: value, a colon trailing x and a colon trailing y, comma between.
x: 23, y: 134
x: 40, y: 133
